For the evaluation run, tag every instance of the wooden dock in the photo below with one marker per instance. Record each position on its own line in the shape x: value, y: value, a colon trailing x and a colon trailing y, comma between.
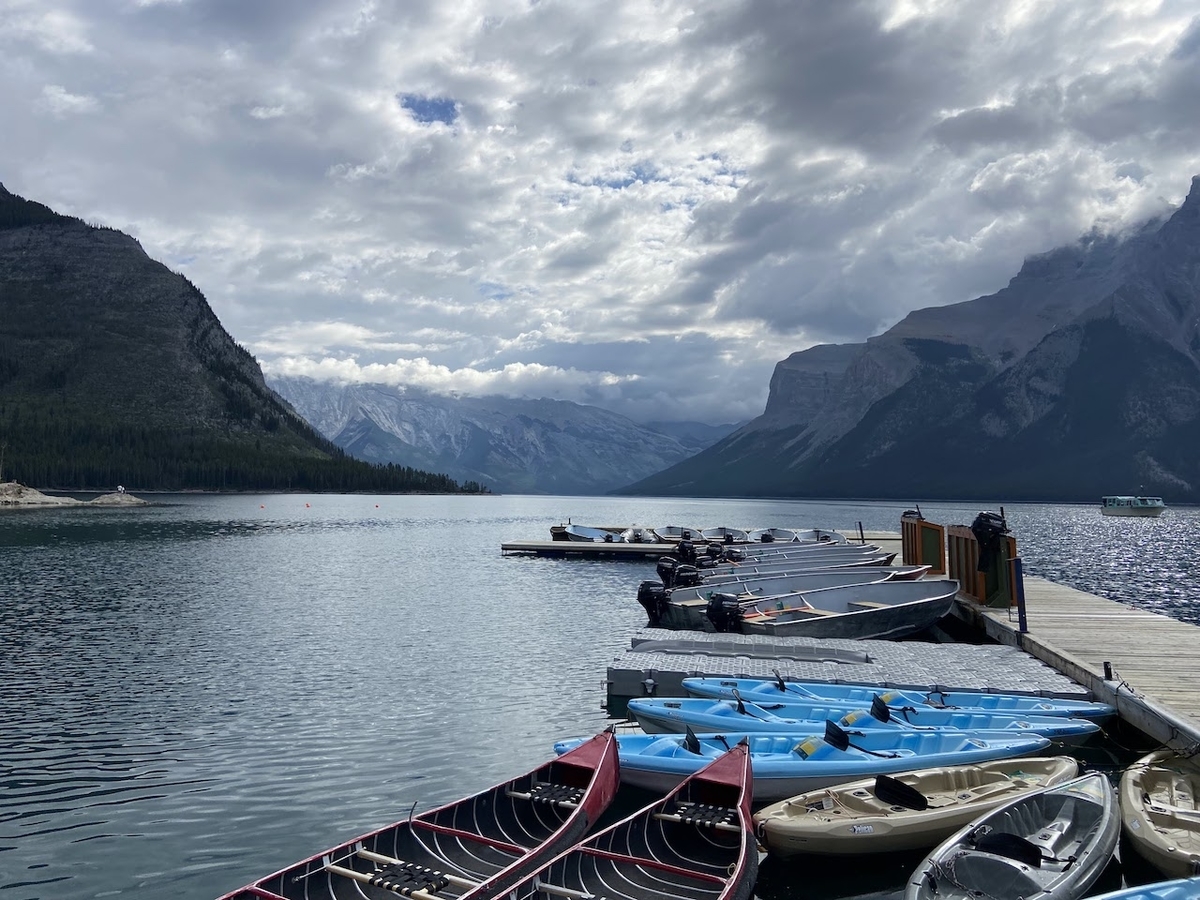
x: 1145, y: 664
x: 888, y: 540
x: 586, y: 549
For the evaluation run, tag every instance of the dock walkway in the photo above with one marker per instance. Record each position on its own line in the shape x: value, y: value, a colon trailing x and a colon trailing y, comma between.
x: 1154, y: 659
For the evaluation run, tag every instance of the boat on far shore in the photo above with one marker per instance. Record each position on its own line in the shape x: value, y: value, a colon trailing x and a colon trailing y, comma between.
x: 1134, y: 507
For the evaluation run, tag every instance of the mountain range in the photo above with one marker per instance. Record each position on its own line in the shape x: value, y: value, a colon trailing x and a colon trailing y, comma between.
x: 114, y: 369
x: 1080, y: 378
x: 509, y: 445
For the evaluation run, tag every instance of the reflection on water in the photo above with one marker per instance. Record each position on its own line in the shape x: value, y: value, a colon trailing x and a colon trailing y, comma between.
x: 199, y: 692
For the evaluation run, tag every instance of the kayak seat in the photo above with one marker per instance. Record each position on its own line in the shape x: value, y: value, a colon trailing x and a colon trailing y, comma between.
x: 815, y: 748
x: 1010, y: 846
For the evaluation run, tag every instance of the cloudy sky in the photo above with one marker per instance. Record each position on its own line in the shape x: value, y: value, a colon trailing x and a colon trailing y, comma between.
x: 641, y: 205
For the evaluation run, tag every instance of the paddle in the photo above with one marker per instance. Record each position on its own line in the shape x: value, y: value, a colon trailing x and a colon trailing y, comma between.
x: 691, y: 743
x: 896, y: 793
x: 836, y: 737
x: 785, y: 688
x: 880, y: 710
x: 741, y: 706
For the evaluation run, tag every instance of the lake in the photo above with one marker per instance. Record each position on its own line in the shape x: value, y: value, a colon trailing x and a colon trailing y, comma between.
x: 199, y: 692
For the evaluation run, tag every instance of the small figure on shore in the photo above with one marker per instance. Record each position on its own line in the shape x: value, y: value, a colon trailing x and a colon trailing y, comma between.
x: 120, y: 488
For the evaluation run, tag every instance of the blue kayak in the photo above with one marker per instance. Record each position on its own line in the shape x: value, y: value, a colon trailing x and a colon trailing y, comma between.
x: 788, y: 764
x: 1176, y: 889
x: 767, y: 691
x: 673, y: 715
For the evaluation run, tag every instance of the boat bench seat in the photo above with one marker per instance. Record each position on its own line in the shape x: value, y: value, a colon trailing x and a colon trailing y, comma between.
x: 868, y: 604
x: 553, y: 794
x: 800, y: 611
x: 706, y: 814
x: 405, y: 878
x: 408, y: 879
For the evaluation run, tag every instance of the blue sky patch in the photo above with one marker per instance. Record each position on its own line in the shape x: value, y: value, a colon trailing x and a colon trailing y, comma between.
x: 427, y: 110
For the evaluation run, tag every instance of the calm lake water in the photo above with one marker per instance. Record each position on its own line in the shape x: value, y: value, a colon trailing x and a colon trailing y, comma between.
x: 199, y: 692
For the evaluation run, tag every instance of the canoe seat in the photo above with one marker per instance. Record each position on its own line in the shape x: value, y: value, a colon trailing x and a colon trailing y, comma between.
x: 399, y: 877
x: 553, y: 794
x: 868, y: 604
x: 706, y: 814
x: 409, y: 877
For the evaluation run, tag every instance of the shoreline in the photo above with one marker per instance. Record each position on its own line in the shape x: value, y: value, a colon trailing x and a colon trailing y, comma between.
x: 14, y: 495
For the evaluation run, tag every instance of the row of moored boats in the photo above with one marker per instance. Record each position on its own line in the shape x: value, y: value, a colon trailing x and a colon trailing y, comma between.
x: 981, y: 781
x: 965, y: 775
x: 817, y: 585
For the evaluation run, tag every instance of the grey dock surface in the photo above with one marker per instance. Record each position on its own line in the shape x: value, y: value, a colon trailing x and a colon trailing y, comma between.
x: 913, y: 665
x: 586, y: 549
x: 1154, y: 659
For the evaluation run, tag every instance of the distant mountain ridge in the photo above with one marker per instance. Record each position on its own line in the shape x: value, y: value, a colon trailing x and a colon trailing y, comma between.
x: 509, y: 445
x: 113, y: 369
x: 1080, y: 378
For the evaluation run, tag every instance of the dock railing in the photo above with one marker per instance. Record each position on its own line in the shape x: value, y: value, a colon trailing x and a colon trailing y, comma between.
x: 954, y: 551
x: 996, y: 585
x: 922, y: 543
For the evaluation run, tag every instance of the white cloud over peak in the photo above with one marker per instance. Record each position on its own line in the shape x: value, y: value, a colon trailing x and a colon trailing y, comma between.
x: 647, y: 205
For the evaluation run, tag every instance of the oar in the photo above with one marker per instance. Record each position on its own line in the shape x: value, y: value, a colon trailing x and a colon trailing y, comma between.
x: 837, y: 738
x: 880, y: 710
x: 896, y: 793
x: 784, y: 687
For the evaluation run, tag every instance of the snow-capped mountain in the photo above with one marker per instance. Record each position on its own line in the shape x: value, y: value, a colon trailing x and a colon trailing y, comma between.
x: 511, y: 446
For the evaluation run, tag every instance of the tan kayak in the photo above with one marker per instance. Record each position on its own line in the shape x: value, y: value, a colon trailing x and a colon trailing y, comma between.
x: 911, y: 811
x: 1160, y: 811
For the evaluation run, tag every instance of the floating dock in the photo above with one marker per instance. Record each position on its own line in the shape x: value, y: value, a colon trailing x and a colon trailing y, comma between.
x: 648, y: 669
x: 887, y: 540
x: 586, y: 549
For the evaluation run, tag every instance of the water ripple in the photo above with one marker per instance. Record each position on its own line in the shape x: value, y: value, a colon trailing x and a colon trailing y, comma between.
x: 201, y: 692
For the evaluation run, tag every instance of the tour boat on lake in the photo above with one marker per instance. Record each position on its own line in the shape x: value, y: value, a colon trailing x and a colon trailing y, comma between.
x: 1148, y: 507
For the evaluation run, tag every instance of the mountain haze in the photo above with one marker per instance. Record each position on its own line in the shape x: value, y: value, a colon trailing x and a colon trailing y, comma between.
x: 509, y: 445
x: 1080, y: 378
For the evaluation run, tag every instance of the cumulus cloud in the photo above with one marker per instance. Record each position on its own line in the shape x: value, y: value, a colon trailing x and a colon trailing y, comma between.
x: 58, y: 101
x: 639, y: 205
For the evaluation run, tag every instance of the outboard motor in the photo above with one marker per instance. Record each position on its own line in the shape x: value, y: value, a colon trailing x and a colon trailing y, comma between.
x: 686, y: 551
x: 686, y: 576
x: 988, y: 528
x: 728, y: 537
x: 766, y: 537
x: 653, y: 598
x: 725, y: 612
x: 713, y: 554
x: 666, y: 571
